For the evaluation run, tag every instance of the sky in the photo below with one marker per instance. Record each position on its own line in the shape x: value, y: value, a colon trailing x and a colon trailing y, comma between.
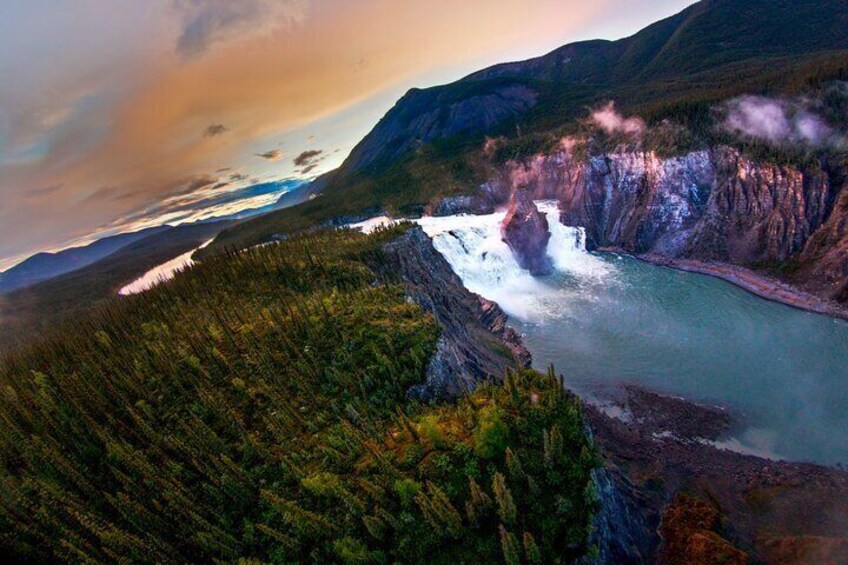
x: 118, y: 114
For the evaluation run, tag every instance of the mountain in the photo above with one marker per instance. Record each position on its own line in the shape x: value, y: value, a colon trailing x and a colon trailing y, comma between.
x: 429, y: 146
x: 43, y: 266
x: 707, y: 36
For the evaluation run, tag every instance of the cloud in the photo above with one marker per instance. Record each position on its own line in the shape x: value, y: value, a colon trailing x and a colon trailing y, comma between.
x: 273, y: 155
x: 609, y: 120
x: 104, y: 193
x: 134, y: 115
x: 215, y: 130
x: 44, y: 191
x: 197, y: 183
x: 308, y: 157
x: 205, y: 22
x: 309, y: 160
x: 778, y: 121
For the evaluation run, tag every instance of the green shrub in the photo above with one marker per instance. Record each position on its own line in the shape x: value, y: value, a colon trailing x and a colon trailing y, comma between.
x: 491, y: 434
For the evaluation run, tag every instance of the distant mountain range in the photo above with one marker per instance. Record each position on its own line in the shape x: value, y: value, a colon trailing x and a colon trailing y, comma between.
x: 43, y: 266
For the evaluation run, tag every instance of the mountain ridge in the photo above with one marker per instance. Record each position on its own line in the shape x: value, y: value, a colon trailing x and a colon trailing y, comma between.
x: 45, y: 265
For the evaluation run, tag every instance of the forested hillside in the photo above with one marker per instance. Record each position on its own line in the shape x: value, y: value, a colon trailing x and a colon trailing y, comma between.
x: 255, y: 408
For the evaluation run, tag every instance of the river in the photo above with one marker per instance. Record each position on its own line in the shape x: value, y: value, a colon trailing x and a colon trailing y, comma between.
x: 604, y: 319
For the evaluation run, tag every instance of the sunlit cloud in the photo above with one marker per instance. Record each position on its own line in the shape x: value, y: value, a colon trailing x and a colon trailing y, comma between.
x: 273, y: 155
x: 140, y: 96
x: 205, y: 22
x: 44, y: 191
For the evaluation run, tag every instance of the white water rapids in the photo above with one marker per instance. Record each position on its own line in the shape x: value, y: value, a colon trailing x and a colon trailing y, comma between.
x: 475, y: 250
x: 605, y: 319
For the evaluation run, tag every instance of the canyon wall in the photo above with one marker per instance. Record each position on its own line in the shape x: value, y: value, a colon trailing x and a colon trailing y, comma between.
x: 710, y: 205
x: 476, y: 344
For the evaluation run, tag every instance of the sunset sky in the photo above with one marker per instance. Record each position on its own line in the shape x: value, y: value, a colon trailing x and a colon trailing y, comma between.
x: 114, y: 113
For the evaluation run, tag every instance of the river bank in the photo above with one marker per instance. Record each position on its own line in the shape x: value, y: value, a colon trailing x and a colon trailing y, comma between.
x: 664, y: 452
x: 756, y: 283
x: 666, y: 457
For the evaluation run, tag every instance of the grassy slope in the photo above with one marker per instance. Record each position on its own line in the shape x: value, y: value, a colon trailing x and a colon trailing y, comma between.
x: 255, y: 407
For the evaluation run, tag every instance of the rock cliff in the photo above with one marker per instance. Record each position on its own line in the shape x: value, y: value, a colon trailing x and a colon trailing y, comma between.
x: 710, y: 205
x: 476, y: 344
x: 525, y: 230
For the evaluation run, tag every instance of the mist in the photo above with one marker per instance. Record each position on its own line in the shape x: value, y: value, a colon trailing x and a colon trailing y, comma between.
x: 612, y: 122
x: 779, y: 121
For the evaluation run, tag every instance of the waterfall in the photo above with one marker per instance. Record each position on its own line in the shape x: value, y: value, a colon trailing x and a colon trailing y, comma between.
x: 474, y: 248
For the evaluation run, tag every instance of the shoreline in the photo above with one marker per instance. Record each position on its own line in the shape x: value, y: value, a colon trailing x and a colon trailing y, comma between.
x: 758, y: 284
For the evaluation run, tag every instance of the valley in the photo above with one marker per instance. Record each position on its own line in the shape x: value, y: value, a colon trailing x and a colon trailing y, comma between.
x: 590, y: 307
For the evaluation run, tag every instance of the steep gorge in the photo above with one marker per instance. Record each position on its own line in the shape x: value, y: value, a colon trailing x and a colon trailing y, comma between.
x: 714, y: 205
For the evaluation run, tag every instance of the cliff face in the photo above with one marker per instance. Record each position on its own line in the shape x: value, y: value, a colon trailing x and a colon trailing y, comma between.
x: 715, y: 205
x: 476, y: 344
x: 525, y: 230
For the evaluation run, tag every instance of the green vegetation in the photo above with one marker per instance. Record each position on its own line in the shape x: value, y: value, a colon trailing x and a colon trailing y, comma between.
x: 254, y: 409
x: 28, y: 313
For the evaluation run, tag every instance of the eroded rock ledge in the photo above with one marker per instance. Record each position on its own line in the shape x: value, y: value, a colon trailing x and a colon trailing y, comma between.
x: 476, y: 344
x: 525, y: 229
x: 715, y: 205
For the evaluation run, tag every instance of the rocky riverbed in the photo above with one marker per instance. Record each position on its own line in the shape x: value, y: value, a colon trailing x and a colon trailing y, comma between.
x: 659, y: 447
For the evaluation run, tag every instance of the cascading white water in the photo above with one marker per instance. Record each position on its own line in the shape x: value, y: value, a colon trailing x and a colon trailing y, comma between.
x: 475, y: 250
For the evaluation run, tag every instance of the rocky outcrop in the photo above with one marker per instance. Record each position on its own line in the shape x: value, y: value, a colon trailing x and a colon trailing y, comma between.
x: 477, y: 204
x: 824, y: 260
x: 710, y: 205
x: 476, y: 344
x: 525, y: 230
x: 656, y: 447
x: 620, y: 529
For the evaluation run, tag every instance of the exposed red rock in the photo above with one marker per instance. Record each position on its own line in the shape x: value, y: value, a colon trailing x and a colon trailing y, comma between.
x: 691, y: 531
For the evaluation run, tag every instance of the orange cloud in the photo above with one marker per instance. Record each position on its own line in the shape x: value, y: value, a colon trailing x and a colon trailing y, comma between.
x: 262, y: 67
